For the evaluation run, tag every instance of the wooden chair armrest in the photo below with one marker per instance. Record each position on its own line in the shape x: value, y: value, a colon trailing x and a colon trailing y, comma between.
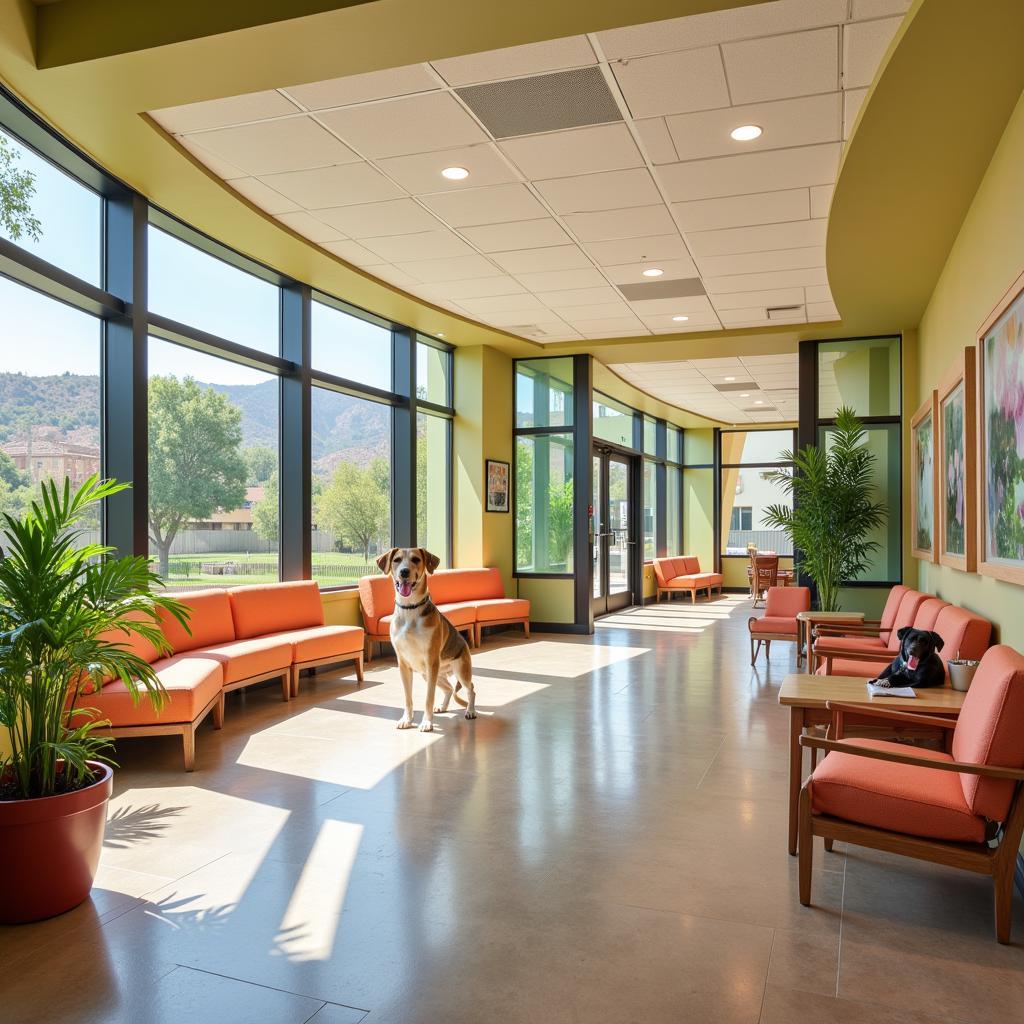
x: 824, y: 650
x: 853, y: 629
x: 961, y: 767
x: 839, y: 709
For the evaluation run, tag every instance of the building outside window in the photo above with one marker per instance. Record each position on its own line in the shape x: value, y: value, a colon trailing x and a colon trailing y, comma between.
x: 748, y: 457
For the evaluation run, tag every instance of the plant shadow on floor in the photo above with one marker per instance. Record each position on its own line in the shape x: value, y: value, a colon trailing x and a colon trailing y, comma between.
x: 130, y: 825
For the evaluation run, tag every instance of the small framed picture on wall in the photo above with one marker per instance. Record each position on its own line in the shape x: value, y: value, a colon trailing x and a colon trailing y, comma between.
x: 497, y: 476
x: 925, y: 488
x: 957, y: 540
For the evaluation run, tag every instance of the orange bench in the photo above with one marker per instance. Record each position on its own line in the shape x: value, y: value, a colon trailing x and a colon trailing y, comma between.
x: 470, y: 599
x: 236, y: 638
x: 683, y: 574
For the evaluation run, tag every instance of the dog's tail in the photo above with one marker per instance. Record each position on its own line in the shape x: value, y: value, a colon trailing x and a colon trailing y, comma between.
x: 455, y: 694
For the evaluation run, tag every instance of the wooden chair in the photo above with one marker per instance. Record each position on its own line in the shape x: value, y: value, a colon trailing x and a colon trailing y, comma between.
x: 779, y: 622
x: 765, y: 576
x: 963, y: 808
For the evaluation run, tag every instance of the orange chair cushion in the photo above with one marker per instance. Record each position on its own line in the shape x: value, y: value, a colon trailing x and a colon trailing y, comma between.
x: 130, y: 642
x: 962, y: 631
x: 664, y: 570
x: 928, y: 612
x: 774, y: 624
x: 788, y: 601
x: 450, y: 586
x: 316, y: 642
x: 273, y: 607
x: 870, y: 644
x: 191, y: 682
x: 898, y: 797
x: 376, y: 600
x: 698, y: 580
x: 502, y: 608
x: 459, y: 614
x: 687, y: 565
x: 210, y: 621
x: 990, y: 729
x: 245, y: 659
x: 892, y: 604
x: 905, y: 616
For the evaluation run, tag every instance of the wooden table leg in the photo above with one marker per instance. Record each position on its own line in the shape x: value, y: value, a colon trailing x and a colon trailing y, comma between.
x: 796, y: 728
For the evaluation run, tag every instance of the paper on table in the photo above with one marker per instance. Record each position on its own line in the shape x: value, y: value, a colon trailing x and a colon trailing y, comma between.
x: 890, y: 691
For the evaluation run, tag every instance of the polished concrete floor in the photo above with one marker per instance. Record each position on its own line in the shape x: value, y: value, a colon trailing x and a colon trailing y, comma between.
x: 606, y: 843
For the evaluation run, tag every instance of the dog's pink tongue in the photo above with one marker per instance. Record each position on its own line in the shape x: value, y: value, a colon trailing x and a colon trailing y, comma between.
x: 405, y: 588
x: 912, y: 662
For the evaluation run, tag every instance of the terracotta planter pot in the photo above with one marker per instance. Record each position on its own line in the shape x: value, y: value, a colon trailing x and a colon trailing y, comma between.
x: 50, y: 849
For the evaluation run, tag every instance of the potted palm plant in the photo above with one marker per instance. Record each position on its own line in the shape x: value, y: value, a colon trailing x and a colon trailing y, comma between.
x: 69, y: 614
x: 834, y: 511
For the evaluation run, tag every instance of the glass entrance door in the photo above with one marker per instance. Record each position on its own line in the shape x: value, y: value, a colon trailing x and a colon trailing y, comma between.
x: 614, y: 533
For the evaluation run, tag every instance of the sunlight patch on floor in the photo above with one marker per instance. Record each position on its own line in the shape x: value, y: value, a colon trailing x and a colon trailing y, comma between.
x: 491, y: 692
x: 566, y: 660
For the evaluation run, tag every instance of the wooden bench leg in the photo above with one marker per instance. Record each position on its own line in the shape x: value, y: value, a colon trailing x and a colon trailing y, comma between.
x: 218, y: 713
x: 188, y: 743
x: 526, y: 629
x: 287, y: 683
x: 359, y: 669
x: 805, y: 846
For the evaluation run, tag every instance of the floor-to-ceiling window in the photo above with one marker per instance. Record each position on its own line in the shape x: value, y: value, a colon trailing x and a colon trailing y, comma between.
x: 433, y: 447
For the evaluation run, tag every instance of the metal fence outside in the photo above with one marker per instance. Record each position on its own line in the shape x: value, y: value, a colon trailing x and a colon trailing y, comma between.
x: 766, y: 540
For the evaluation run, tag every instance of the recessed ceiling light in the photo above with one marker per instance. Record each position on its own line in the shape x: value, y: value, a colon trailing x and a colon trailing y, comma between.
x: 758, y: 402
x: 680, y: 319
x: 746, y: 132
x: 730, y: 378
x: 746, y: 394
x: 455, y: 173
x: 440, y: 334
x: 652, y: 272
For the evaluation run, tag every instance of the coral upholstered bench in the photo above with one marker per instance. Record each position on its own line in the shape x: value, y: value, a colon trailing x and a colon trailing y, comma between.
x: 683, y: 574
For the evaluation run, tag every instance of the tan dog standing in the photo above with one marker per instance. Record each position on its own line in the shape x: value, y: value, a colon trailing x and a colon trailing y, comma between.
x: 424, y: 640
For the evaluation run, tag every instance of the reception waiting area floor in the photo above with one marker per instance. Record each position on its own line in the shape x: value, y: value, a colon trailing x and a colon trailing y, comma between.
x: 606, y: 843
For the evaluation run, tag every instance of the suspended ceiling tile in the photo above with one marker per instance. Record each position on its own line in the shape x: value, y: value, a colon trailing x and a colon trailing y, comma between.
x: 656, y: 140
x: 762, y: 262
x: 267, y: 147
x: 579, y: 296
x: 610, y: 328
x: 413, y: 124
x: 773, y: 68
x: 477, y: 289
x: 853, y: 100
x: 420, y: 173
x: 196, y: 117
x: 761, y: 299
x: 619, y: 252
x: 524, y: 234
x: 557, y: 257
x: 353, y: 252
x: 481, y: 205
x: 460, y: 268
x: 594, y: 311
x: 864, y: 45
x: 790, y: 235
x: 637, y: 222
x: 741, y: 211
x: 264, y: 197
x: 515, y: 61
x: 863, y: 9
x: 821, y: 200
x: 308, y: 226
x: 696, y: 321
x: 217, y: 167
x: 673, y: 83
x: 325, y: 187
x: 751, y: 172
x: 793, y: 122
x: 421, y: 246
x: 579, y: 151
x: 632, y: 273
x: 606, y: 190
x: 396, y: 277
x: 559, y: 280
x: 504, y: 303
x: 692, y: 305
x: 374, y: 85
x: 772, y: 279
x: 720, y: 26
x: 369, y: 220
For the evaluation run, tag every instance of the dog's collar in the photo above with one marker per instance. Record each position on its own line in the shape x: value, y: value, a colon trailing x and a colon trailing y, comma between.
x: 411, y: 607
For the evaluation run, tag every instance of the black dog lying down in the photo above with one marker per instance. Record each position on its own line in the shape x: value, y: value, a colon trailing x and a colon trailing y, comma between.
x: 918, y: 664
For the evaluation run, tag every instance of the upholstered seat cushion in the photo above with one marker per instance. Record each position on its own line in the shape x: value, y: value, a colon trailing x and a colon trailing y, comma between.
x: 774, y: 624
x: 461, y: 613
x: 898, y: 797
x: 209, y: 621
x: 377, y: 602
x: 316, y: 642
x: 455, y: 586
x: 849, y: 667
x: 244, y: 659
x: 698, y: 579
x: 274, y: 607
x: 191, y: 682
x: 869, y: 644
x: 495, y: 609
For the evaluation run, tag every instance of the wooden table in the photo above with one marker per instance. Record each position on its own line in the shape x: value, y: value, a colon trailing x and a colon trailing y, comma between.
x: 785, y: 578
x: 805, y: 696
x: 805, y: 628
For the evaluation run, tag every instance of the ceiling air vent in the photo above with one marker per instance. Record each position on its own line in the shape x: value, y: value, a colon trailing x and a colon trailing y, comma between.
x: 744, y: 386
x: 684, y: 288
x: 783, y: 312
x: 527, y: 330
x: 542, y: 103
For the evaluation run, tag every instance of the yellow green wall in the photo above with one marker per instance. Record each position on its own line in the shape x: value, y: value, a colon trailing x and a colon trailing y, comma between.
x: 986, y: 258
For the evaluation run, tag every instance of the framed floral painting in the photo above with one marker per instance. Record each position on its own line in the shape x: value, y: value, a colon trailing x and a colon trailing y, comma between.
x: 1001, y: 438
x: 957, y: 497
x: 924, y: 490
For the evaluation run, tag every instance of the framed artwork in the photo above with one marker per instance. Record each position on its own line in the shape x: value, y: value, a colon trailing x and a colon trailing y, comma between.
x: 1001, y: 438
x: 497, y: 476
x: 925, y: 486
x: 957, y: 497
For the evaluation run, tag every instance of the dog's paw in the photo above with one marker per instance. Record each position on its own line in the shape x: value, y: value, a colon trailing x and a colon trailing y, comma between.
x: 405, y: 722
x: 471, y: 714
x: 440, y: 710
x: 426, y: 725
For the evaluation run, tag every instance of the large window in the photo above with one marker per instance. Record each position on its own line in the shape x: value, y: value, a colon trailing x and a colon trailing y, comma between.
x: 352, y: 347
x: 650, y: 510
x: 544, y: 392
x: 613, y: 421
x: 748, y: 458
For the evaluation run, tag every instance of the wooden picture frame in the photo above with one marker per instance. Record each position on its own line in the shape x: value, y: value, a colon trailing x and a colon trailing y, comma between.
x: 497, y: 481
x: 924, y: 487
x: 957, y: 491
x: 1000, y: 438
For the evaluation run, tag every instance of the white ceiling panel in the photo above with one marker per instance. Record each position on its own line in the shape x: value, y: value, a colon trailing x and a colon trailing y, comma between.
x: 460, y: 268
x: 656, y: 140
x: 263, y: 196
x: 759, y: 300
x: 821, y: 199
x: 563, y: 298
x: 325, y: 187
x: 690, y: 305
x: 595, y: 311
x: 503, y: 303
x: 773, y: 279
x: 517, y: 61
x: 421, y: 246
x: 864, y: 45
x: 266, y: 147
x: 556, y: 280
x: 308, y: 226
x: 480, y: 205
x: 611, y: 328
x: 556, y: 257
x: 742, y: 211
x: 607, y: 190
x: 820, y: 293
x: 607, y: 147
x: 622, y: 251
x: 631, y: 273
x: 523, y: 234
x: 397, y: 217
x: 197, y: 117
x: 413, y: 124
x: 822, y: 311
x: 792, y: 235
x: 637, y: 222
x: 673, y: 83
x: 420, y: 173
x: 853, y: 100
x: 477, y: 288
x: 353, y: 252
x: 751, y: 172
x: 800, y: 64
x: 217, y: 167
x: 794, y: 122
x: 374, y: 85
x: 863, y: 9
x: 762, y: 262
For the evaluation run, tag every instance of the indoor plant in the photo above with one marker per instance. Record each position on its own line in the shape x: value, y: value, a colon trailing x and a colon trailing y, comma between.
x: 834, y: 512
x: 69, y: 613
